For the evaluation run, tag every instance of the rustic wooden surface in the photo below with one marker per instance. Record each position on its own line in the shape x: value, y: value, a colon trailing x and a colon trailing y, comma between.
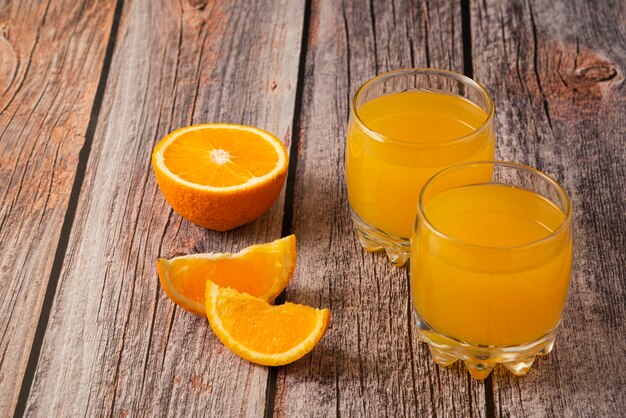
x: 45, y: 115
x: 131, y: 349
x: 370, y: 362
x: 87, y: 89
x: 558, y: 83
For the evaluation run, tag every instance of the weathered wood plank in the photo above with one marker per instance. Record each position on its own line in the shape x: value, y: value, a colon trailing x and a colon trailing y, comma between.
x: 369, y: 363
x: 556, y: 70
x: 51, y: 56
x: 115, y: 344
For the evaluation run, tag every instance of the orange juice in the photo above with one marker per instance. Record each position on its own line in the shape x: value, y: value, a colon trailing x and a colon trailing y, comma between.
x: 398, y: 141
x: 495, y: 273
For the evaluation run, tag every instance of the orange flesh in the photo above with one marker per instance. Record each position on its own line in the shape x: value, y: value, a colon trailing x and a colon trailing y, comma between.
x: 264, y: 328
x: 252, y: 274
x: 226, y: 158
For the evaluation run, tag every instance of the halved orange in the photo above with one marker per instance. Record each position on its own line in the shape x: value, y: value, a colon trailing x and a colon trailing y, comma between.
x: 262, y: 270
x: 259, y: 332
x: 220, y: 175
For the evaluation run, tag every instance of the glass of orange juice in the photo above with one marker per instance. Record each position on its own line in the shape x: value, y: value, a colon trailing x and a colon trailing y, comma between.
x: 405, y: 126
x: 490, y: 265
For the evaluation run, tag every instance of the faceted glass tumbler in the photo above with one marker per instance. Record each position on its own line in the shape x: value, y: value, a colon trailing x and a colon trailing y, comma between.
x: 491, y: 259
x: 386, y: 168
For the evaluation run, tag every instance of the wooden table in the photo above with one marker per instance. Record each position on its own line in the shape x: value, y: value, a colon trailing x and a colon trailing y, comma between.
x: 88, y: 87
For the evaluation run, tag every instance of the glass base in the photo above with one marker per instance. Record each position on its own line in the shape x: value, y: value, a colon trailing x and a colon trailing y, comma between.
x: 373, y: 239
x: 480, y: 360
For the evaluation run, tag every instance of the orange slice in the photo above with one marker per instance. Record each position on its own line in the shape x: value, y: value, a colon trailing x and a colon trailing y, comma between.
x: 262, y: 270
x: 220, y: 175
x: 259, y: 332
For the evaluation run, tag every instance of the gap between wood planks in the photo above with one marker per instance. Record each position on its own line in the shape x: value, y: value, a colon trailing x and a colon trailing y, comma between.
x: 68, y: 220
x: 468, y: 70
x: 287, y: 226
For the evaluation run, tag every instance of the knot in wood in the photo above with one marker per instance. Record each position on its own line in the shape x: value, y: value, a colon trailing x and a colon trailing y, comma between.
x: 598, y: 72
x: 198, y: 4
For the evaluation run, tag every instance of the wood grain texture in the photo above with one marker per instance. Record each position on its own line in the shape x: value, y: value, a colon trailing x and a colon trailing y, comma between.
x: 556, y: 71
x: 115, y: 344
x: 44, y: 115
x: 369, y: 363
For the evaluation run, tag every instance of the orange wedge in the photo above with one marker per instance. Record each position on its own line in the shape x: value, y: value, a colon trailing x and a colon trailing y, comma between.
x: 220, y: 175
x: 259, y: 332
x: 262, y: 270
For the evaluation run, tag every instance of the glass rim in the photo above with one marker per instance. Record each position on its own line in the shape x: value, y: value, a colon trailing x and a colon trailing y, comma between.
x: 446, y: 73
x: 564, y: 224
